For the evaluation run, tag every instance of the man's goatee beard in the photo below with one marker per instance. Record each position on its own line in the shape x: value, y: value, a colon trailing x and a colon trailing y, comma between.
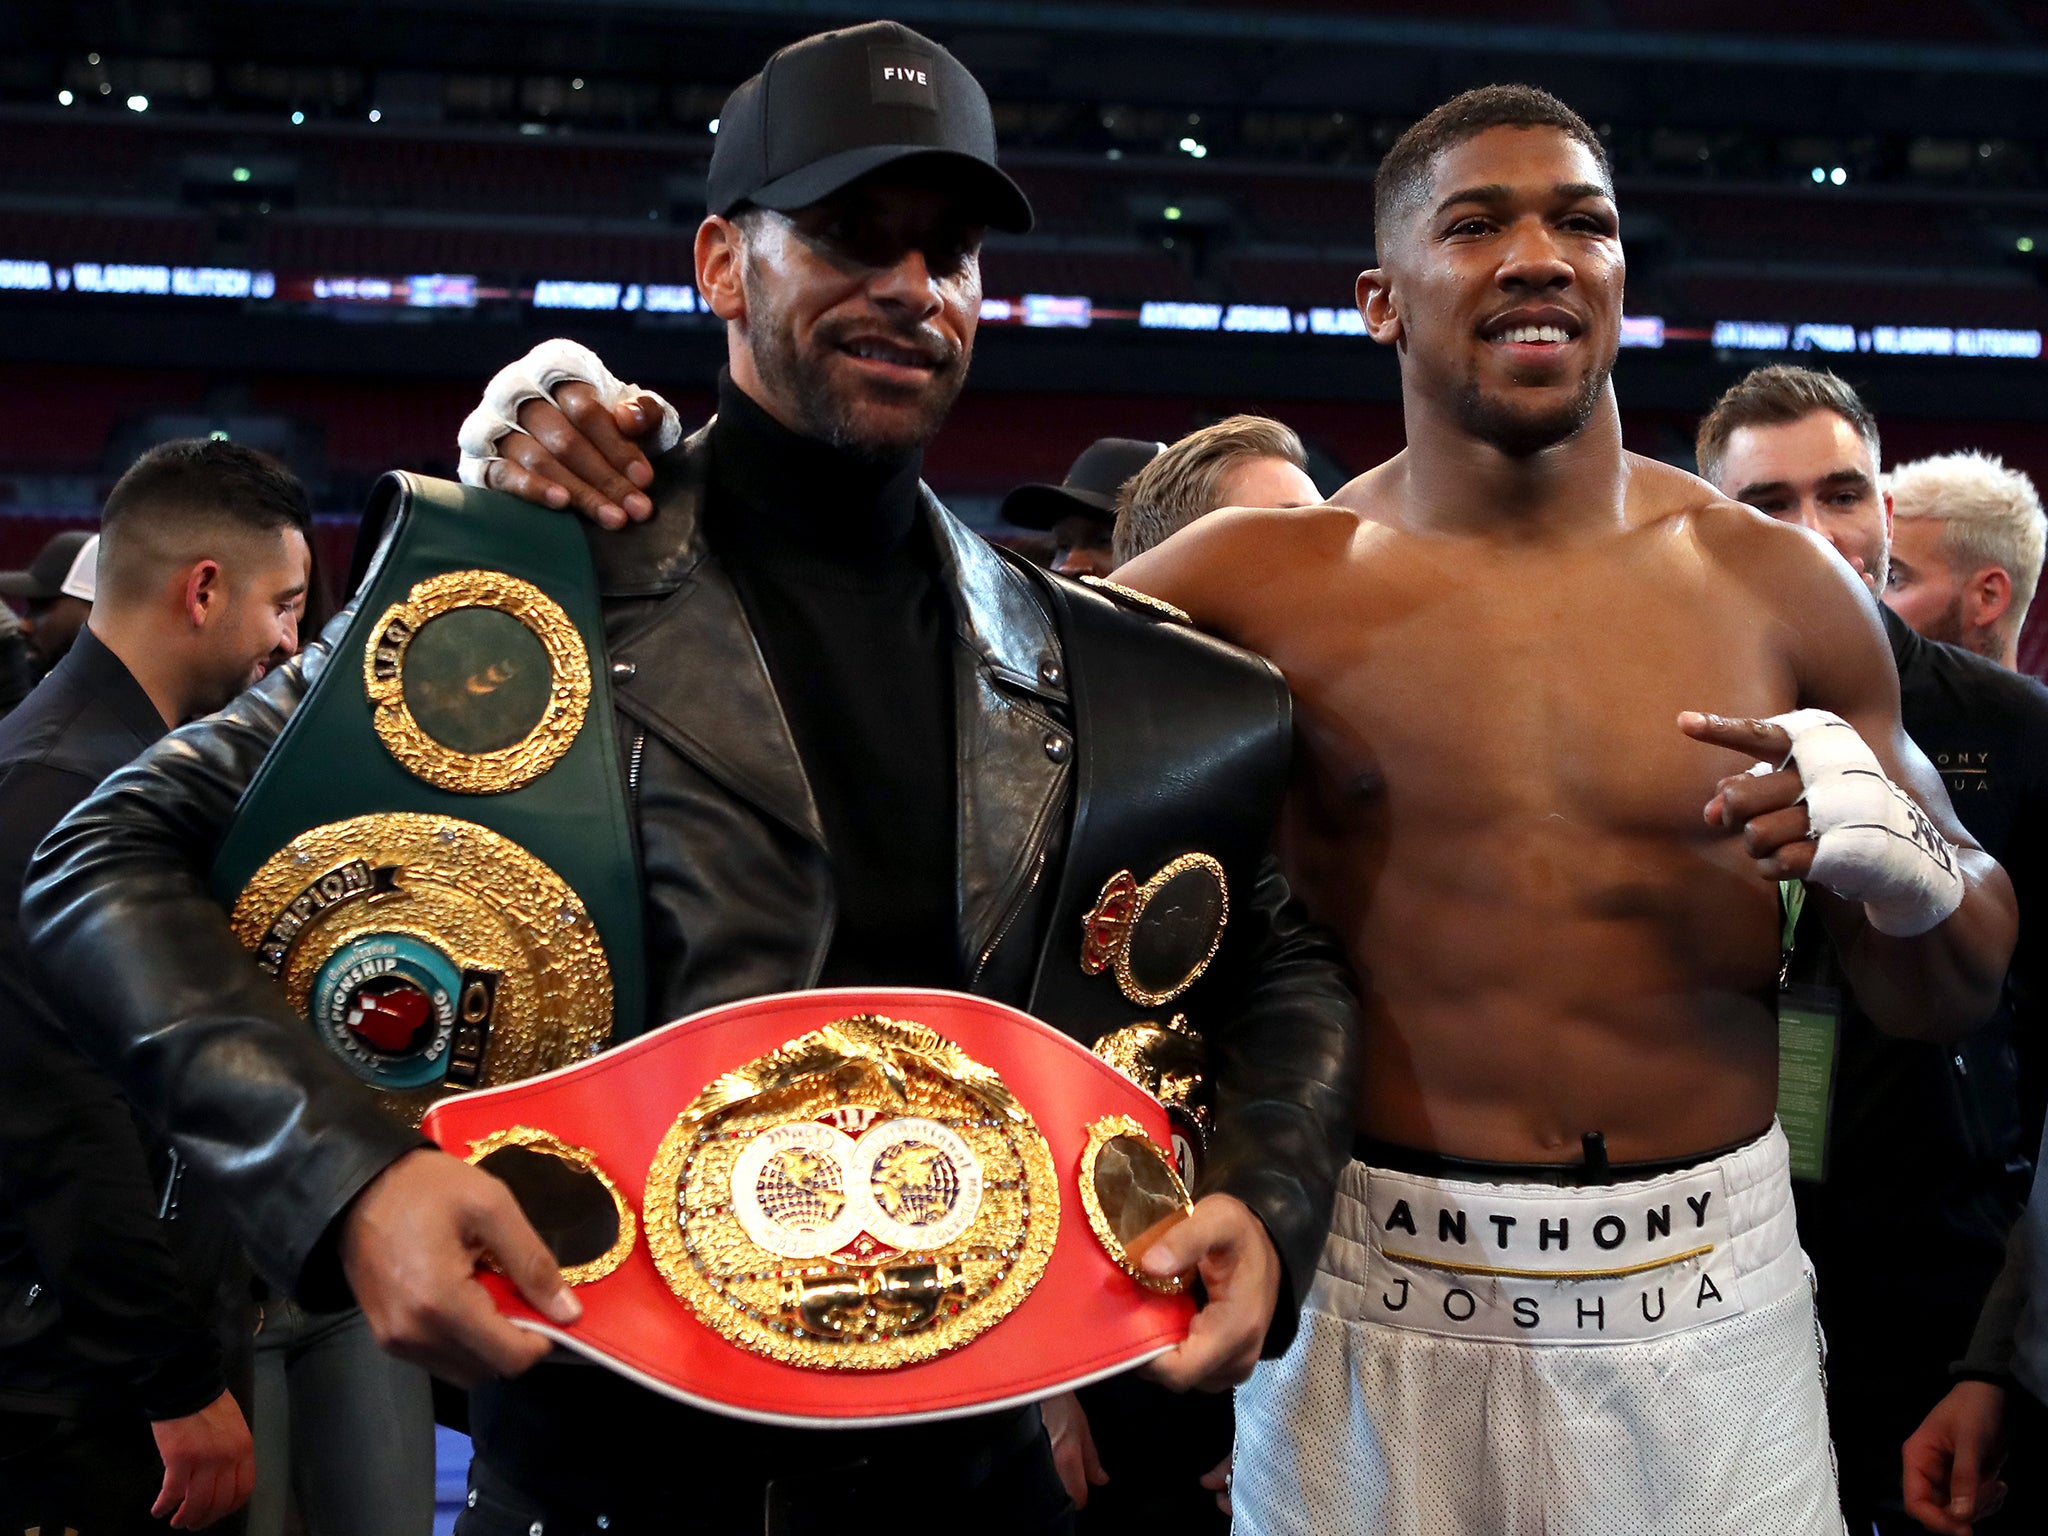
x: 825, y: 415
x: 832, y: 420
x: 1520, y: 434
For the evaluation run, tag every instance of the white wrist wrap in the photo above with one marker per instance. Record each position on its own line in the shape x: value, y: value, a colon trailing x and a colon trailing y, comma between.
x: 1873, y: 843
x: 537, y: 376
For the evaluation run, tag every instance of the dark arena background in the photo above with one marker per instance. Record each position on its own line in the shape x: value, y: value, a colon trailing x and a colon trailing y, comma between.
x: 318, y: 226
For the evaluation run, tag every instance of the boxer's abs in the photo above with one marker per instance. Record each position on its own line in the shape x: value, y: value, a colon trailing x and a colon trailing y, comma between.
x: 1627, y: 993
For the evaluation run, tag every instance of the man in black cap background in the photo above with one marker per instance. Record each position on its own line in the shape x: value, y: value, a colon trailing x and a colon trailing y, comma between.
x: 1080, y: 512
x: 15, y: 676
x: 56, y: 596
x: 852, y: 763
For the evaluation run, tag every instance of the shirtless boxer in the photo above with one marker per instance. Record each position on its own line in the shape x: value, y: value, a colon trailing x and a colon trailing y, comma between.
x: 1496, y: 640
x: 1563, y: 1293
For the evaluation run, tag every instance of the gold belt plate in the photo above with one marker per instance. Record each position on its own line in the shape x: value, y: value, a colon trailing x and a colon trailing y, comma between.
x: 430, y: 954
x: 865, y: 1197
x: 478, y: 682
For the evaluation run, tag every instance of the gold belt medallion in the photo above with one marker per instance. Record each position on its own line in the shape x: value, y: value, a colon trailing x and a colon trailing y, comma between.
x: 1157, y: 938
x: 865, y: 1197
x: 1130, y: 1192
x: 478, y: 682
x: 430, y: 954
x: 565, y: 1193
x: 1169, y: 1061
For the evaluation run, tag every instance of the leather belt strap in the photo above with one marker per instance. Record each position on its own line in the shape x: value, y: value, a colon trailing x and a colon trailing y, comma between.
x: 436, y: 857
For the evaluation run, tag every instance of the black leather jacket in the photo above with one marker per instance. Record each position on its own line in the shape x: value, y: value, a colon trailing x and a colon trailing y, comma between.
x: 738, y: 892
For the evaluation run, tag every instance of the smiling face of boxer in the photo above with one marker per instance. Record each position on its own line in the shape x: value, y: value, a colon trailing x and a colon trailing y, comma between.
x: 1500, y: 281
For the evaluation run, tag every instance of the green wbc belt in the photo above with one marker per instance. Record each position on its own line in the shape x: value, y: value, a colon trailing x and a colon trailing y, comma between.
x: 435, y: 859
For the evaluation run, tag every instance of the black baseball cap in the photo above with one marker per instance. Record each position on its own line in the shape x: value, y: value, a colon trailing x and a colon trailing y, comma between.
x: 1090, y: 487
x: 829, y: 109
x: 47, y: 574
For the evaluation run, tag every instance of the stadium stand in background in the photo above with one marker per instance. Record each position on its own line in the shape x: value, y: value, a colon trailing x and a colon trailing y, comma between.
x: 1861, y: 186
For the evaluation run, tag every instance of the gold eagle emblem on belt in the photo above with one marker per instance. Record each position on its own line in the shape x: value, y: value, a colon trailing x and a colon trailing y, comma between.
x: 865, y: 1197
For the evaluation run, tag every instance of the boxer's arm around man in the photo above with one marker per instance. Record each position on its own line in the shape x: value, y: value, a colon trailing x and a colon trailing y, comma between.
x: 1924, y: 971
x: 160, y: 992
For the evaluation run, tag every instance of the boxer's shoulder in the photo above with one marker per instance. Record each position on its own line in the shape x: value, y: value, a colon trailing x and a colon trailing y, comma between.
x: 1728, y: 532
x: 1219, y: 568
x: 1660, y: 492
x: 1229, y: 537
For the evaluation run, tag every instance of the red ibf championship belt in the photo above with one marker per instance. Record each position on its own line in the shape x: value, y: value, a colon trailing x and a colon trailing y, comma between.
x: 848, y: 1207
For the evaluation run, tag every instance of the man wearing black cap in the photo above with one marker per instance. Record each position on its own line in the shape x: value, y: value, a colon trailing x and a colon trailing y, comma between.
x: 15, y: 676
x: 1080, y: 512
x: 855, y: 757
x: 56, y: 591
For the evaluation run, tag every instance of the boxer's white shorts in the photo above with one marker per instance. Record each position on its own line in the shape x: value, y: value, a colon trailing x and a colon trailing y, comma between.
x: 1633, y: 1359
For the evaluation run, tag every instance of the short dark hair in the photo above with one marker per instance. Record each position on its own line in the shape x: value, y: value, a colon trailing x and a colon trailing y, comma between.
x: 189, y: 484
x: 1405, y: 171
x: 1772, y: 397
x: 203, y: 474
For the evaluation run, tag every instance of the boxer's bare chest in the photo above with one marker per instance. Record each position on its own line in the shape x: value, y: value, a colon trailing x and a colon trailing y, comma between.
x: 1449, y: 691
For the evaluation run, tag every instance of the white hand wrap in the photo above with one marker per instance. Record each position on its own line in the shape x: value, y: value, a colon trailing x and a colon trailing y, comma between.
x: 1873, y: 844
x: 537, y: 376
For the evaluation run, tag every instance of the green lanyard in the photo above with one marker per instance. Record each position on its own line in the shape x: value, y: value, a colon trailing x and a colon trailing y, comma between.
x: 1791, y: 902
x: 1808, y: 1023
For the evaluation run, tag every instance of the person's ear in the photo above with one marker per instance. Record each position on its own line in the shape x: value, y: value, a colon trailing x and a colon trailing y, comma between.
x: 720, y: 252
x: 1376, y: 302
x: 205, y: 593
x: 1987, y: 595
x: 1886, y: 498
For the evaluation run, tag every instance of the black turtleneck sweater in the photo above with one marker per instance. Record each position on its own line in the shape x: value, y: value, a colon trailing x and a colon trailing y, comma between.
x: 838, y: 571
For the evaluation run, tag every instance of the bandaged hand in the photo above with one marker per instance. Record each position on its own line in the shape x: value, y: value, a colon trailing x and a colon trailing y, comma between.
x: 558, y: 428
x: 1819, y: 807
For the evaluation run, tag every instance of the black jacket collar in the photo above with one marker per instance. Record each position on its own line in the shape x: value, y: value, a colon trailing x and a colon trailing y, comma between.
x: 995, y: 614
x: 89, y: 709
x: 1012, y: 762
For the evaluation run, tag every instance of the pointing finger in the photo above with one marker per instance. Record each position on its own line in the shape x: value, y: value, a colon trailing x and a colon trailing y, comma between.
x: 1757, y: 739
